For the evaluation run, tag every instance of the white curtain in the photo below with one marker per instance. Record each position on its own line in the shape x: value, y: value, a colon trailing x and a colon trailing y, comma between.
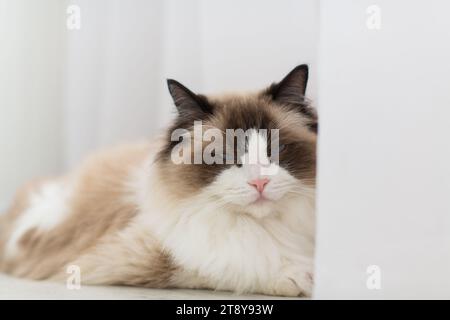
x: 120, y: 58
x: 31, y: 92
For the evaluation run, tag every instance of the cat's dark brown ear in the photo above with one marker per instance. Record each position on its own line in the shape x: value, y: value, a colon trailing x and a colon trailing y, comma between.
x: 187, y: 102
x: 291, y: 90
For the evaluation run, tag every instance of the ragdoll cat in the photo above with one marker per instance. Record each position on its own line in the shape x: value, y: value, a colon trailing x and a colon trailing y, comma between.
x: 132, y: 216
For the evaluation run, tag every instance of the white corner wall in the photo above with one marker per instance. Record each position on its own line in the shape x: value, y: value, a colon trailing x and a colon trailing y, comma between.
x: 384, y: 151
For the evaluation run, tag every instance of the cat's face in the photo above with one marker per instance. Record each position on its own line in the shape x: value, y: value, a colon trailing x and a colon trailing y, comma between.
x: 270, y: 159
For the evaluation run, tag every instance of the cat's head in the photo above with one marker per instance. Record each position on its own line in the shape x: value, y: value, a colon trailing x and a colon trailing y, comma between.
x: 255, y: 151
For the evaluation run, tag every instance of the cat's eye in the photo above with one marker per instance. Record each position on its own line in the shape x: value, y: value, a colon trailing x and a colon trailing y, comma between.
x: 281, y: 148
x: 275, y: 154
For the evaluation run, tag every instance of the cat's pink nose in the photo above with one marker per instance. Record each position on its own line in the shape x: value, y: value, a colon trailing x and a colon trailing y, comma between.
x: 259, y: 184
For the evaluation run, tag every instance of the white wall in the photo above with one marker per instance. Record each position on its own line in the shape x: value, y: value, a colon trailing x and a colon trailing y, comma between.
x: 31, y: 55
x: 384, y: 178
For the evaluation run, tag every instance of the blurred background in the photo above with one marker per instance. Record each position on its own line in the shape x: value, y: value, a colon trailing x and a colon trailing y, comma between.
x: 65, y: 92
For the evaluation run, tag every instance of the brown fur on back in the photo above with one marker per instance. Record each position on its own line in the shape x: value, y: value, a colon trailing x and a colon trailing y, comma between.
x: 98, y: 209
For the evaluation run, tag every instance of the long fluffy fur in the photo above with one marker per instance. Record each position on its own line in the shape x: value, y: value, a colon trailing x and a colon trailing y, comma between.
x: 128, y: 216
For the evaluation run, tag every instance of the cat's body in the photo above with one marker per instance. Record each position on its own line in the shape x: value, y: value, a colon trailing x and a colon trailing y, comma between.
x: 130, y: 216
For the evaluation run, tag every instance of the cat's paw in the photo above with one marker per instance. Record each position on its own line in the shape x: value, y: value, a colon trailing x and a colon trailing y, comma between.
x: 294, y: 283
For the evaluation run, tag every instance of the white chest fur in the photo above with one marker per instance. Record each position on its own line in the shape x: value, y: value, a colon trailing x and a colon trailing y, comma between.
x: 234, y: 251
